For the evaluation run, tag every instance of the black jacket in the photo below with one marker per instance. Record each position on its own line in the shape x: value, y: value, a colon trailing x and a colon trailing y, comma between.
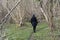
x: 34, y: 21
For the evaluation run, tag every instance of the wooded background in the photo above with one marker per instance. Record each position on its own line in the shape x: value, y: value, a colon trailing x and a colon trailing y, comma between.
x: 45, y: 11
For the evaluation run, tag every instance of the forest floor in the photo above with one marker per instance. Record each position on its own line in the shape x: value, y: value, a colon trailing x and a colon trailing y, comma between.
x: 26, y: 32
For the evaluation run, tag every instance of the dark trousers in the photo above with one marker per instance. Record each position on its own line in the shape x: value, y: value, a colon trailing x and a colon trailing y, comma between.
x: 34, y: 26
x: 34, y: 29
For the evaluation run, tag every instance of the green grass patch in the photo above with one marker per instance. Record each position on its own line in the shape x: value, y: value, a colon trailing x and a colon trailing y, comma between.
x: 23, y: 33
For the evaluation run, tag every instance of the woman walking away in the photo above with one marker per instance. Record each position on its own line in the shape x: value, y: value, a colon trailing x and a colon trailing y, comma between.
x: 34, y: 23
